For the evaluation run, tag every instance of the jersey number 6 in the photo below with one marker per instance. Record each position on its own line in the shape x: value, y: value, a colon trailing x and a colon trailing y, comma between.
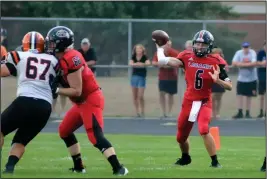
x: 32, y: 70
x: 198, y: 79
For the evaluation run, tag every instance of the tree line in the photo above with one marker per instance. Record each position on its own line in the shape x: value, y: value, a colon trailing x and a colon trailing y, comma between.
x: 110, y: 38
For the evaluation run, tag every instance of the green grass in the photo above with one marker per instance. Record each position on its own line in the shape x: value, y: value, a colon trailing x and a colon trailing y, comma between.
x: 144, y: 156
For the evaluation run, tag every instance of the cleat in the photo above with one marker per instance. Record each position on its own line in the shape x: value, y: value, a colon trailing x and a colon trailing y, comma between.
x: 121, y: 172
x: 9, y: 170
x: 183, y: 161
x: 215, y: 164
x: 263, y: 167
x: 78, y: 170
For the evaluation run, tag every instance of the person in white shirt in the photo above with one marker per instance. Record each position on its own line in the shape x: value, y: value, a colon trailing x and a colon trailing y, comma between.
x: 246, y: 60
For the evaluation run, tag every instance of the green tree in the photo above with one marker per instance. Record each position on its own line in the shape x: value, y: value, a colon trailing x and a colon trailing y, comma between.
x: 110, y: 38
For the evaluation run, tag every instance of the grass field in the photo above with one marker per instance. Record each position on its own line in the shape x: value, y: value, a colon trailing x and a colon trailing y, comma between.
x: 144, y: 156
x: 118, y: 97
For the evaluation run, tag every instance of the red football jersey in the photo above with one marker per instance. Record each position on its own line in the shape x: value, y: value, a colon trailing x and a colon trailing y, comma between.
x: 197, y: 77
x: 73, y: 61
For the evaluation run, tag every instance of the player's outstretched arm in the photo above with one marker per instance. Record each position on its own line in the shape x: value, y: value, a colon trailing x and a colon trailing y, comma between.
x: 75, y: 83
x: 170, y: 61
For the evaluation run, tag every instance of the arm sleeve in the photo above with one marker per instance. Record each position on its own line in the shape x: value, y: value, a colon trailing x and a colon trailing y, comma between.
x: 223, y: 74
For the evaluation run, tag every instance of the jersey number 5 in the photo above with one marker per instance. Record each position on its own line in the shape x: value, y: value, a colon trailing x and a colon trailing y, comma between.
x: 198, y: 79
x: 32, y: 70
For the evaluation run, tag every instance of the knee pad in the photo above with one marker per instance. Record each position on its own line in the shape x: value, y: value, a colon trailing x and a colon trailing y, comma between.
x: 70, y: 140
x: 102, y: 143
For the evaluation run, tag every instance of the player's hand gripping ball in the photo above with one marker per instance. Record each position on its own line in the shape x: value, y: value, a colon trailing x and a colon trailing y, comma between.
x: 160, y: 37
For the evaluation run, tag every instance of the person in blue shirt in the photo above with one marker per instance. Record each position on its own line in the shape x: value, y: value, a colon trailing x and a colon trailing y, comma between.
x: 261, y: 58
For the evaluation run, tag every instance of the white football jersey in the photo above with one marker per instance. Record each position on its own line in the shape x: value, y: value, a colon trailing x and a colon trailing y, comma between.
x: 34, y: 71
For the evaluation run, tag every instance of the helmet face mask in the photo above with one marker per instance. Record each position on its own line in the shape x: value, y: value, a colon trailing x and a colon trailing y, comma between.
x: 200, y: 49
x: 202, y: 43
x: 50, y: 46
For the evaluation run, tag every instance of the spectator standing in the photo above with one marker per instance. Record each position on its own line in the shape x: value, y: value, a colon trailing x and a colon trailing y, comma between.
x: 167, y: 85
x: 88, y: 53
x: 246, y: 60
x: 139, y: 62
x: 261, y: 58
x: 217, y: 90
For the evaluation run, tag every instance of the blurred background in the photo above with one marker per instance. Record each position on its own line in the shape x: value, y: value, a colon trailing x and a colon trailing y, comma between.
x: 113, y: 29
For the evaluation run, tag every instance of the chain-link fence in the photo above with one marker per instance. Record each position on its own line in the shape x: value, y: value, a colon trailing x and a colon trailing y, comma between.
x: 119, y: 97
x: 113, y: 40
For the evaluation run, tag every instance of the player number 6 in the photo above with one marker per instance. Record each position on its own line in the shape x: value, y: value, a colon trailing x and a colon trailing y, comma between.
x: 198, y: 79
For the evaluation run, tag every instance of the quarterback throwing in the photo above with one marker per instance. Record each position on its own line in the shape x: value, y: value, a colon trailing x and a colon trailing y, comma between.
x: 202, y: 69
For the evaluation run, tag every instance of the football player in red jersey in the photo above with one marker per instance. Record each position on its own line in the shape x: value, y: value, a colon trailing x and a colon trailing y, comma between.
x: 202, y: 69
x: 87, y: 98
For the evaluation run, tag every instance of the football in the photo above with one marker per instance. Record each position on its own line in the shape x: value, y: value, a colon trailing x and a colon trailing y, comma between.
x: 160, y: 37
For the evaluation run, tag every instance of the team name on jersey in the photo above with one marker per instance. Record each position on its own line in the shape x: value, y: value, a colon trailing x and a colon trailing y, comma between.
x: 199, y: 65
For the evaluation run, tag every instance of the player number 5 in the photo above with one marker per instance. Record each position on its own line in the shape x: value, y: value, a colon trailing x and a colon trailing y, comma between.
x: 198, y: 79
x: 32, y: 70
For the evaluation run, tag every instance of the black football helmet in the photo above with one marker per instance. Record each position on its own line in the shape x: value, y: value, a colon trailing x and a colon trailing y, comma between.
x: 204, y: 37
x: 58, y: 39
